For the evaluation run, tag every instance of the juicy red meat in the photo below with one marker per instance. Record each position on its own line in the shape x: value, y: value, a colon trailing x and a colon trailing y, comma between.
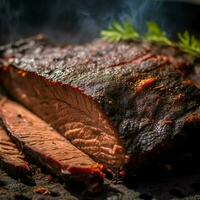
x: 116, y: 102
x: 45, y: 146
x: 11, y: 159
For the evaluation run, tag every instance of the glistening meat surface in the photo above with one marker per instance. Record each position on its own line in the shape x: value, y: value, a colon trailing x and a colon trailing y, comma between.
x: 45, y: 146
x: 116, y: 102
x: 11, y: 159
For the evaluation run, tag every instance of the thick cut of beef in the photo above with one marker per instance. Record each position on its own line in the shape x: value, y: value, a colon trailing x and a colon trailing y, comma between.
x: 117, y: 103
x: 11, y: 159
x: 44, y: 145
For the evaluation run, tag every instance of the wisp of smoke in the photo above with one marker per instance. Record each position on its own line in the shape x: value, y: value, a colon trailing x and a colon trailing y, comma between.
x: 78, y: 21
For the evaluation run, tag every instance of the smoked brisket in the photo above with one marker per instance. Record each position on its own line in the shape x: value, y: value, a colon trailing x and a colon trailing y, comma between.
x: 46, y: 147
x: 115, y: 102
x: 11, y: 159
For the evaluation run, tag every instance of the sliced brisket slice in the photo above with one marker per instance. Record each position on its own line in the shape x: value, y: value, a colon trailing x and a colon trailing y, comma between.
x: 48, y: 148
x: 11, y: 159
x: 109, y: 100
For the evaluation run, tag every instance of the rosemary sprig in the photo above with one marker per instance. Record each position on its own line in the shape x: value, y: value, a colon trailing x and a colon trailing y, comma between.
x: 126, y: 31
x: 120, y: 32
x: 189, y: 44
x: 156, y: 35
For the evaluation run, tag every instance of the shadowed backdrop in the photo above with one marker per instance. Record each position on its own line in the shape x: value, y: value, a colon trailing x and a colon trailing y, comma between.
x: 79, y: 21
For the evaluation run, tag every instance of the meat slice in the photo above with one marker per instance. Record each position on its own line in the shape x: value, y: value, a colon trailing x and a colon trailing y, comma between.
x: 11, y: 159
x: 44, y: 145
x: 118, y: 103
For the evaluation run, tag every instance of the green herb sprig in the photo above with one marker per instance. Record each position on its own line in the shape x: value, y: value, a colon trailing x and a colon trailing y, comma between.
x: 126, y: 31
x: 120, y: 32
x: 155, y: 35
x: 189, y: 44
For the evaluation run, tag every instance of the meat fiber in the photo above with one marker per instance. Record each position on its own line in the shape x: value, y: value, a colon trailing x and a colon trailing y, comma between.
x: 48, y: 148
x: 118, y: 103
x: 11, y: 159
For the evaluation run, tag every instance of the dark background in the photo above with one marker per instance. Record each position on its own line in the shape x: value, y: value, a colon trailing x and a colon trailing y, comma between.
x: 78, y: 21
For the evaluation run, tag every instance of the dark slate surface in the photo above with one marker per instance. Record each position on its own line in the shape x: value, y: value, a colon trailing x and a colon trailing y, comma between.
x: 179, y: 180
